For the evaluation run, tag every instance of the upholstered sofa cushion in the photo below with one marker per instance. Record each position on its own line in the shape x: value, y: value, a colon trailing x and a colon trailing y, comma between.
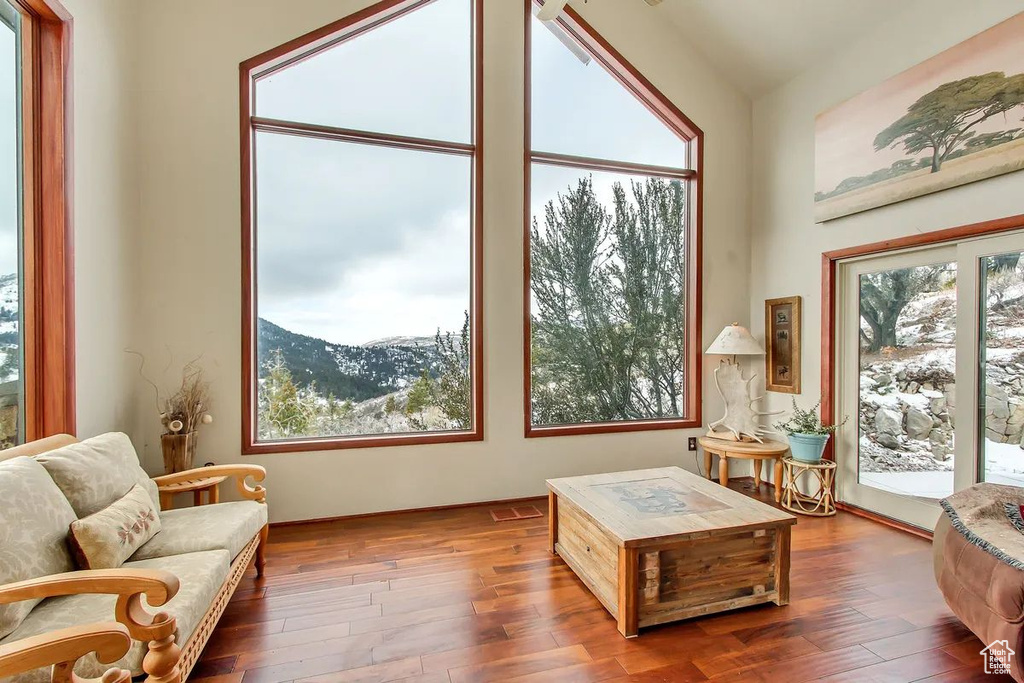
x: 228, y: 526
x: 98, y: 471
x: 34, y: 519
x: 201, y: 576
x: 107, y: 538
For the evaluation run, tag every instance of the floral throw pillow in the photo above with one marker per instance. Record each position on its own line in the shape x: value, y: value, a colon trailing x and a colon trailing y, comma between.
x: 105, y: 539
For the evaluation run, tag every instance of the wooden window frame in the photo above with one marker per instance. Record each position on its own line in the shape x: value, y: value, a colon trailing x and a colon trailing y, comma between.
x: 281, y: 57
x: 670, y: 115
x: 829, y: 286
x: 48, y: 254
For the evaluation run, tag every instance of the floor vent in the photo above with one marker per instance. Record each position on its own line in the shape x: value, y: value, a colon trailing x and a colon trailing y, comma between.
x: 511, y: 514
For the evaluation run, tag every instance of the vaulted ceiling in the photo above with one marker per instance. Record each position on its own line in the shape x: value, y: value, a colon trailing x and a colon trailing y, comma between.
x: 761, y: 44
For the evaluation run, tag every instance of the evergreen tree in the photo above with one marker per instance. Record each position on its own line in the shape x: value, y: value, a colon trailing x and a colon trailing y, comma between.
x: 390, y: 405
x: 609, y: 291
x: 10, y: 369
x: 454, y: 389
x: 283, y: 409
x: 421, y: 396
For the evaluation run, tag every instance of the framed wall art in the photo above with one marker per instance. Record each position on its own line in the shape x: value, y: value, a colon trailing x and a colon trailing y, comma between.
x: 950, y: 120
x: 782, y: 344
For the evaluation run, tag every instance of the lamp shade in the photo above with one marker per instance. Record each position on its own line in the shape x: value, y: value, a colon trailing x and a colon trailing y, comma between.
x: 735, y: 340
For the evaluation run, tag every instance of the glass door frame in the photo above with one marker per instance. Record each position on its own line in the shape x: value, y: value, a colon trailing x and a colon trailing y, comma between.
x: 916, y: 510
x: 970, y: 354
x: 830, y: 312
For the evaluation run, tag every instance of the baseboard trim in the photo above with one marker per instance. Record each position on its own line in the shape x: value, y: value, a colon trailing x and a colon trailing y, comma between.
x: 404, y: 511
x: 887, y: 521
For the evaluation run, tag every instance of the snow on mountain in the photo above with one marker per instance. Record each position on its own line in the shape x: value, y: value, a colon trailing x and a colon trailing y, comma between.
x: 410, y: 342
x: 357, y: 373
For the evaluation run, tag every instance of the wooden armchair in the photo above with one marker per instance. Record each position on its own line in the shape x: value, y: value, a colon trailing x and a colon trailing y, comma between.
x: 185, y: 481
x: 109, y: 640
x: 62, y: 649
x: 211, y: 477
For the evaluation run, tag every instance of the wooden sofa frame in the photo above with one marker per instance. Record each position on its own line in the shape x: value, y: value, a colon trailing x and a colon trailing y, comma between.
x: 166, y: 661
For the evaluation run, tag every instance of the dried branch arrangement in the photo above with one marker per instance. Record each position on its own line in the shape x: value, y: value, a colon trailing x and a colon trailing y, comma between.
x: 186, y: 409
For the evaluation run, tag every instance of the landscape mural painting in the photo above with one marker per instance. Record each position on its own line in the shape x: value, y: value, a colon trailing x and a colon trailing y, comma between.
x: 953, y: 119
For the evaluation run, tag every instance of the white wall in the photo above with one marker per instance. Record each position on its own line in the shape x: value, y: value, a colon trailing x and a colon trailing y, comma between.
x: 189, y: 252
x: 787, y: 244
x: 105, y: 211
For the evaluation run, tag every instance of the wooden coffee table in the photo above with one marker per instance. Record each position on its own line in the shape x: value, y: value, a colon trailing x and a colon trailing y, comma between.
x: 663, y: 544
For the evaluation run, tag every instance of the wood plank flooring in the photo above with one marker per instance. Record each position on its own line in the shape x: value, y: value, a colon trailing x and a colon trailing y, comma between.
x: 451, y: 596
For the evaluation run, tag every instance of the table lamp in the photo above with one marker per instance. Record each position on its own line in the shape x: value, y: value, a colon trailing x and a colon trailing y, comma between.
x: 735, y: 340
x: 740, y: 420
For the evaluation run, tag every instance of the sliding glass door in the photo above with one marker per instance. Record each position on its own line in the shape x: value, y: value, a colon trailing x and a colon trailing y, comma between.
x: 919, y: 330
x: 999, y: 344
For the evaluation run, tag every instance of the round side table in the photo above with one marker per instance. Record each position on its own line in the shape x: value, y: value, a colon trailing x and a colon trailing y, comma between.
x: 196, y: 486
x: 820, y: 504
x: 743, y: 450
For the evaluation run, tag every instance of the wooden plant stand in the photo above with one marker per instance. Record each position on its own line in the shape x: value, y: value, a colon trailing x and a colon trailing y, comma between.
x: 822, y: 474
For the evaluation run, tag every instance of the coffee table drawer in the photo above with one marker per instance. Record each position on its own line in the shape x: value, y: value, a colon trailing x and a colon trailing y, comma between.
x: 592, y: 555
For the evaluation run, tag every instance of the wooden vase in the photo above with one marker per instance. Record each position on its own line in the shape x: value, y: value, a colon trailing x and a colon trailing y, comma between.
x: 179, y: 451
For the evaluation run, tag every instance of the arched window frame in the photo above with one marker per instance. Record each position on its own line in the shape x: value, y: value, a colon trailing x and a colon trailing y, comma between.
x: 281, y: 57
x: 670, y: 115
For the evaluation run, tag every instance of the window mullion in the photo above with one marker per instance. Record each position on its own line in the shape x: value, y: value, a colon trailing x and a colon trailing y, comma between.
x: 360, y: 136
x: 597, y: 164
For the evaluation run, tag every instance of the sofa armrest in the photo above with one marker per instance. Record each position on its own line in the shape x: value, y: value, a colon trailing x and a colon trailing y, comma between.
x: 62, y: 648
x: 240, y: 473
x: 129, y: 585
x: 157, y: 585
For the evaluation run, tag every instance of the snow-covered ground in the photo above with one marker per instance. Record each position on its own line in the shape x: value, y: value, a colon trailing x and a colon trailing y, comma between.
x: 922, y: 484
x: 908, y: 393
x: 1004, y: 464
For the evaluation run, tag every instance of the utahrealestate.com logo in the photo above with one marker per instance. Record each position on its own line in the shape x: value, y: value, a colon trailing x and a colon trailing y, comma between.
x: 998, y: 656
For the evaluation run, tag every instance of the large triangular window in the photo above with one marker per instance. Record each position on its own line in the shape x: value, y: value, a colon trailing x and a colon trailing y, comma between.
x: 361, y: 222
x: 613, y: 186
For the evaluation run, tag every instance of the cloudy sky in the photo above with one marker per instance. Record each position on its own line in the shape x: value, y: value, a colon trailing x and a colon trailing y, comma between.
x: 360, y: 242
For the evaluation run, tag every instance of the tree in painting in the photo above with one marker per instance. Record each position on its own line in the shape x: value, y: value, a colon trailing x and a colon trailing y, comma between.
x: 608, y: 318
x: 943, y: 119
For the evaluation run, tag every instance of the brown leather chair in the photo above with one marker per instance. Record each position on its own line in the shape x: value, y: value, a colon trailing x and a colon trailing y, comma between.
x: 985, y: 593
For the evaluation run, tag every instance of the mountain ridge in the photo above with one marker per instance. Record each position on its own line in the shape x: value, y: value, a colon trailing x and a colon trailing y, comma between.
x: 347, y: 372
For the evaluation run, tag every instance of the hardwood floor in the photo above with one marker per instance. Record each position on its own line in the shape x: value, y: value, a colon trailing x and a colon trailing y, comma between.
x: 453, y: 596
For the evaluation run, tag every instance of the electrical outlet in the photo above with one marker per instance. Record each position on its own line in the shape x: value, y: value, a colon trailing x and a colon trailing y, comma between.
x: 691, y: 443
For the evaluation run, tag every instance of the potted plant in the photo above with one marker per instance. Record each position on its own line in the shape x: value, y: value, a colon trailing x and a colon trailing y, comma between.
x: 807, y: 435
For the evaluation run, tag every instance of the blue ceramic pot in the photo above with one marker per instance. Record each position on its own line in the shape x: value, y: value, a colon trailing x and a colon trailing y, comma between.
x: 807, y: 447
